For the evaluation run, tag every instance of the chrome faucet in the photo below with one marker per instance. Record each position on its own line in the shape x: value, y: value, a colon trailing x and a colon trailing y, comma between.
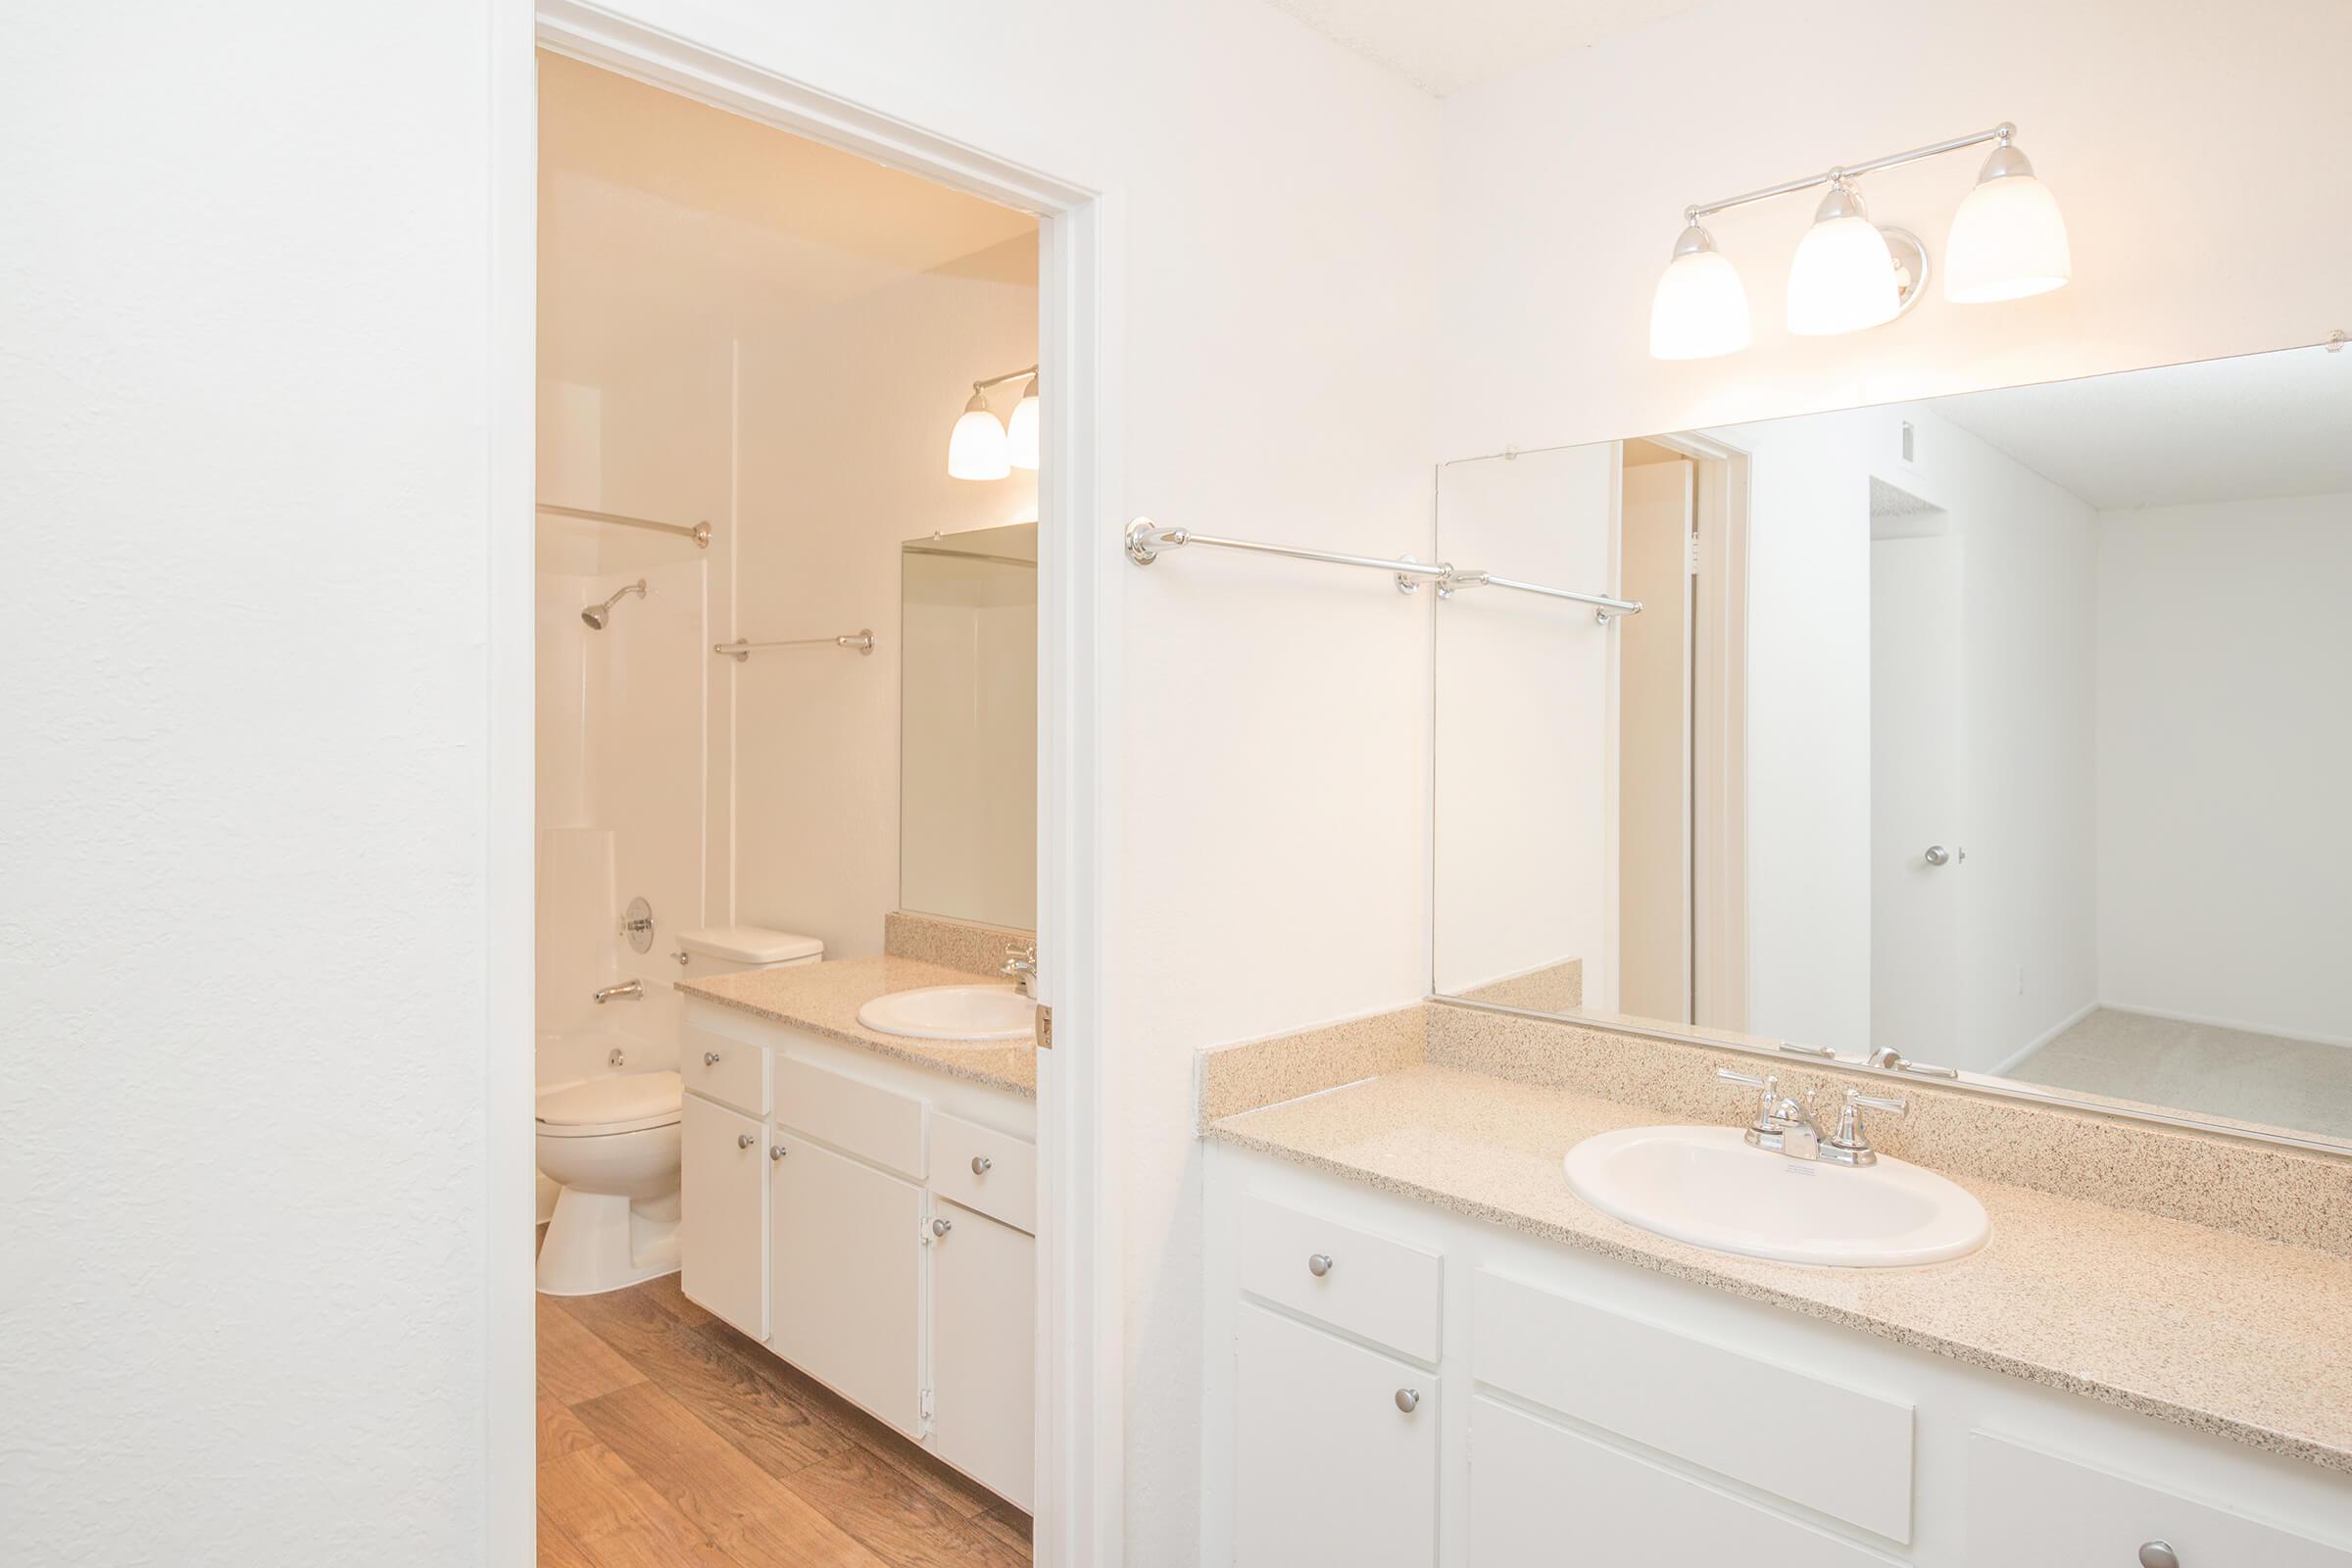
x: 626, y: 991
x: 1784, y: 1126
x: 1020, y: 967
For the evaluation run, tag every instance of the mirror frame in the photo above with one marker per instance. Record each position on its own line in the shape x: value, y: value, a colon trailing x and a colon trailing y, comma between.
x: 1821, y: 1057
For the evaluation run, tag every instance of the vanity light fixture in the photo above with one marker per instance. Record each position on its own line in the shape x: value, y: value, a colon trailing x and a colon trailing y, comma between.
x: 2008, y: 241
x: 980, y: 447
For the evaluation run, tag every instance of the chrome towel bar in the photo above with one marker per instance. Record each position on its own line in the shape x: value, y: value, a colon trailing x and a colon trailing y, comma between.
x: 699, y: 532
x: 1147, y: 540
x: 862, y: 641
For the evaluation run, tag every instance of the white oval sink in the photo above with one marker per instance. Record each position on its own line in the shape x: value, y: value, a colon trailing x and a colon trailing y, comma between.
x: 1707, y: 1186
x: 953, y: 1012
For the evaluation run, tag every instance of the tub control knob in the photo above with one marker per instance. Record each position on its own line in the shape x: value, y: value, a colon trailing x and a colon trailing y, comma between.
x: 744, y: 1140
x: 2158, y: 1554
x: 710, y: 1059
x: 982, y: 1164
x: 1320, y: 1264
x: 1408, y: 1400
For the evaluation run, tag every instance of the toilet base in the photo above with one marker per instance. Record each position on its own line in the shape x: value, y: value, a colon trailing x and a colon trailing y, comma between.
x: 599, y: 1242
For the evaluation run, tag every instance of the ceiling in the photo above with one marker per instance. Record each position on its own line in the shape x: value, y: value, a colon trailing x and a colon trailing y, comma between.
x: 1445, y: 48
x: 662, y: 218
x: 2249, y: 428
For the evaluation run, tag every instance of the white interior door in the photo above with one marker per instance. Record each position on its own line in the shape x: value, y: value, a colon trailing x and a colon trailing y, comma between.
x: 1654, y: 793
x: 1915, y: 799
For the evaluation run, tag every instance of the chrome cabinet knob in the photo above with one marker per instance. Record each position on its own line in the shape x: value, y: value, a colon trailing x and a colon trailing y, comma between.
x: 744, y: 1140
x: 941, y: 1227
x: 1937, y: 854
x: 1320, y: 1264
x: 1408, y: 1400
x: 982, y: 1164
x: 777, y: 1152
x: 2158, y: 1554
x: 710, y: 1059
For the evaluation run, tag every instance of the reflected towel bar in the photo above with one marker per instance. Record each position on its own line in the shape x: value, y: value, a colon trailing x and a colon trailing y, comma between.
x: 862, y: 641
x: 699, y: 532
x: 1145, y: 540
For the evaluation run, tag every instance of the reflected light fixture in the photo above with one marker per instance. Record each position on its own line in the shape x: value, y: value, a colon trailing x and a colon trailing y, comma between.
x: 2008, y: 241
x: 1021, y: 431
x: 980, y: 447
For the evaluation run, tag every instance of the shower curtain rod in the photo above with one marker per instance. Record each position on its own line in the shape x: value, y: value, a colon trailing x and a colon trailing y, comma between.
x: 700, y: 533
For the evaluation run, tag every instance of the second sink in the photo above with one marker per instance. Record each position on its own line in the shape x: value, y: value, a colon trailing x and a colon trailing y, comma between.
x: 991, y: 1013
x: 1704, y: 1184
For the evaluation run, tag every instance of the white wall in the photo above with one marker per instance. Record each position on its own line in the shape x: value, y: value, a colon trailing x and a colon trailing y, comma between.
x: 2222, y: 837
x: 845, y: 419
x: 244, y: 405
x: 246, y: 342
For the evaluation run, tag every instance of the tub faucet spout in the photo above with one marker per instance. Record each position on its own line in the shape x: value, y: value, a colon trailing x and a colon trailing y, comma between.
x: 626, y: 991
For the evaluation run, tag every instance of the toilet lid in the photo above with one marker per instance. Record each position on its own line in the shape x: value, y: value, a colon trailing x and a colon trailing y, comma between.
x: 638, y: 1097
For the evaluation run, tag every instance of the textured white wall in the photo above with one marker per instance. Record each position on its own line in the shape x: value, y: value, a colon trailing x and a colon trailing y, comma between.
x: 2222, y: 836
x: 243, y: 811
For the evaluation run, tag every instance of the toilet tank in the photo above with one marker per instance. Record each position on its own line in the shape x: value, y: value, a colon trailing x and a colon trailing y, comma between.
x: 734, y: 949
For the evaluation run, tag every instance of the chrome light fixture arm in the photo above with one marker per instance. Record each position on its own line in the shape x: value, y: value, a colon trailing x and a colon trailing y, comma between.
x: 2002, y: 133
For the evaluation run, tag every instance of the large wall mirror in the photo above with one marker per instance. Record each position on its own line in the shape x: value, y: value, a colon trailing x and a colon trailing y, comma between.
x: 967, y: 726
x: 2008, y: 732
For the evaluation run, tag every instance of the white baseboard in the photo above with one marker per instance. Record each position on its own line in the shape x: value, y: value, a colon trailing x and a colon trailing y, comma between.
x: 2003, y: 1067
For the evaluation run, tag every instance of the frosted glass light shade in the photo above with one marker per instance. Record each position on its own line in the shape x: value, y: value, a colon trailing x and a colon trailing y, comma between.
x: 1843, y: 279
x: 1700, y: 308
x: 2008, y: 241
x: 1020, y: 440
x: 978, y: 447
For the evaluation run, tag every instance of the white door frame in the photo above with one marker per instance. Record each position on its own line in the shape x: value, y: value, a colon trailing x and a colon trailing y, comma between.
x: 1080, y: 1419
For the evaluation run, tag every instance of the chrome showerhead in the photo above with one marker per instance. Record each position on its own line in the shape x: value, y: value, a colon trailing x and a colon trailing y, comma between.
x: 599, y: 615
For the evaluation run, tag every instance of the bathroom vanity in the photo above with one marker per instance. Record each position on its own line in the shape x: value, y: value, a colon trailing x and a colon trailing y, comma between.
x: 865, y: 1207
x: 1424, y: 1350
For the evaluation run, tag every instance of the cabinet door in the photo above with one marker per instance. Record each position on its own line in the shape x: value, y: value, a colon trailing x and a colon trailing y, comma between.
x: 1332, y: 1469
x: 723, y: 1213
x: 847, y: 1277
x: 983, y: 1348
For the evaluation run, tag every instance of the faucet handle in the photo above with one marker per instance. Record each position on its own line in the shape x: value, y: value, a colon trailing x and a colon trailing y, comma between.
x: 1895, y: 1103
x: 1848, y: 1138
x: 1731, y: 1075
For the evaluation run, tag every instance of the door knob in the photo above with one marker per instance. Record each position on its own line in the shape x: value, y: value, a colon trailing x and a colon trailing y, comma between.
x: 2158, y: 1554
x: 1937, y: 854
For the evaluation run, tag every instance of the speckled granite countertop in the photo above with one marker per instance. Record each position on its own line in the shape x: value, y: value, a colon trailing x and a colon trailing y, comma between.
x: 824, y: 999
x: 2246, y: 1340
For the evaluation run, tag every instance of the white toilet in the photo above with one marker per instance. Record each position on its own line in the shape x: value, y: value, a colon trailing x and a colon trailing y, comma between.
x: 612, y: 1143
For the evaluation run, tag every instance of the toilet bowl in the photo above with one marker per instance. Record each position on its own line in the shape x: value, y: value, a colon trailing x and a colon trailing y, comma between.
x: 611, y: 1142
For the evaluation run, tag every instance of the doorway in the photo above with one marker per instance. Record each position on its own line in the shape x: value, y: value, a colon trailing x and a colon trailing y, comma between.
x: 1077, y: 1483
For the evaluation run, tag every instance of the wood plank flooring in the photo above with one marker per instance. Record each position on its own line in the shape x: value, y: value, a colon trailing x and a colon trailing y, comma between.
x: 668, y: 1438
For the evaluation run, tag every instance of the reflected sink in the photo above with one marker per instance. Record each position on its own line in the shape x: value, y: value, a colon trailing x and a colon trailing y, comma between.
x: 1707, y: 1186
x: 974, y: 1014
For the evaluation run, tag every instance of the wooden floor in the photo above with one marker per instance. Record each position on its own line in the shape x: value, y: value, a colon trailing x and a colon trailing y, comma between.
x: 665, y: 1437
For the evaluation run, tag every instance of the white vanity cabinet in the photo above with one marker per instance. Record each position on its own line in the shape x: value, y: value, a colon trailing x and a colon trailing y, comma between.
x: 846, y: 1257
x: 1595, y: 1413
x: 869, y: 1221
x: 722, y: 1214
x: 984, y: 1348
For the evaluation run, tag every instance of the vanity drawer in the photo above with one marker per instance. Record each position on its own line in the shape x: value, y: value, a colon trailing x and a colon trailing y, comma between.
x: 876, y: 1124
x: 1370, y: 1286
x: 1825, y: 1446
x: 725, y: 1070
x: 2029, y: 1510
x: 992, y: 1172
x: 1535, y: 1486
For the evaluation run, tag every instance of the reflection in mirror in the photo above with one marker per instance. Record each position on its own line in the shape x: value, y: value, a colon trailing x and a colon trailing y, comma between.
x: 2005, y: 731
x: 967, y: 741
